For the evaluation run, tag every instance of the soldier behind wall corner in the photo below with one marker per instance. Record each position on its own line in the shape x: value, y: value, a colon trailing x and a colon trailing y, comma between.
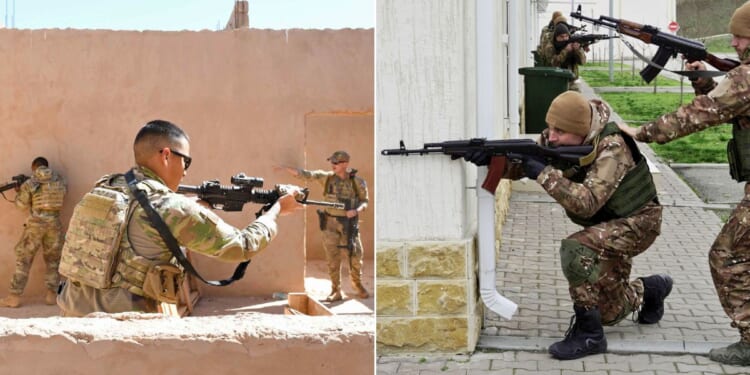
x: 340, y: 184
x: 614, y: 199
x: 715, y: 104
x: 42, y: 197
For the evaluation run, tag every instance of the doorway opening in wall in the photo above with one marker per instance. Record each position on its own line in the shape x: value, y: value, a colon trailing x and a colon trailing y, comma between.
x: 354, y: 133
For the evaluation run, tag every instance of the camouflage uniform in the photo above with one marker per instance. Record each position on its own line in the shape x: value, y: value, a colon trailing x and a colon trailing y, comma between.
x: 195, y: 227
x: 42, y: 195
x: 715, y: 105
x: 614, y: 241
x: 549, y: 56
x: 352, y: 192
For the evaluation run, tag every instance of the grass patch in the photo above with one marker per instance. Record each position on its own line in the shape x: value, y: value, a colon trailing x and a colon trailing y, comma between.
x: 707, y: 146
x: 624, y: 76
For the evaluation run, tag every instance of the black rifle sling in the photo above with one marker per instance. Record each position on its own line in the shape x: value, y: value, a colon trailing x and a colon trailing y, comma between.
x: 169, y: 239
x: 686, y: 73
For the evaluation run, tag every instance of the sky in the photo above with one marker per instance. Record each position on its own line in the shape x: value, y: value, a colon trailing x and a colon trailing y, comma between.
x: 184, y: 14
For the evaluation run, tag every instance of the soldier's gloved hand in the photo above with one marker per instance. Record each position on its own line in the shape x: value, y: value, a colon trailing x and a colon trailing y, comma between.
x: 479, y: 157
x: 533, y: 165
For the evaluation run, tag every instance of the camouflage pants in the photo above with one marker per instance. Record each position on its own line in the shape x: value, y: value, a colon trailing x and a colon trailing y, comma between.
x: 616, y: 242
x: 729, y: 260
x: 46, y: 235
x: 334, y: 236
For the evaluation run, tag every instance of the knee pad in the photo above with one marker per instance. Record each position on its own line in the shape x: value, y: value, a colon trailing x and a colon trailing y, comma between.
x: 579, y: 263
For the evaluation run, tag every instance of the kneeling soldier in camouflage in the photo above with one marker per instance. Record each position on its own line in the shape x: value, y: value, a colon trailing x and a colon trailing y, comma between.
x: 614, y: 198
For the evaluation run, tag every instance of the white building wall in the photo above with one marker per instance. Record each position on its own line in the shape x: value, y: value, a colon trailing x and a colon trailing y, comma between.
x: 425, y: 92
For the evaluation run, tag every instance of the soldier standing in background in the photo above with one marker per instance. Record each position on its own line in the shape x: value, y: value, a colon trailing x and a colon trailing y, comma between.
x: 558, y: 52
x: 340, y: 184
x: 42, y: 196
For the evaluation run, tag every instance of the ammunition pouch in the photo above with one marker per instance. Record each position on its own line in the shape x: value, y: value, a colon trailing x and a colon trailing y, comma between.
x: 738, y: 154
x: 162, y: 283
x: 322, y: 219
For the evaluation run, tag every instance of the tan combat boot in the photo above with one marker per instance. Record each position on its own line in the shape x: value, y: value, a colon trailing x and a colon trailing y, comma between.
x: 12, y: 300
x: 50, y: 298
x: 362, y: 293
x: 334, y: 296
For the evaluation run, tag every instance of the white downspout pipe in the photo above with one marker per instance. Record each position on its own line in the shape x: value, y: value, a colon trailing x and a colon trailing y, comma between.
x: 486, y: 40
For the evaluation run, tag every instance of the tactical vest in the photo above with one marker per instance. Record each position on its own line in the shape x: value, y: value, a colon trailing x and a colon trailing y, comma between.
x: 635, y: 190
x: 738, y: 152
x: 330, y: 194
x: 47, y: 195
x: 97, y: 251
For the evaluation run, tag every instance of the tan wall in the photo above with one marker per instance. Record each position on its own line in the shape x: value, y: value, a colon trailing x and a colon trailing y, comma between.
x: 246, y: 343
x: 428, y: 297
x: 79, y: 96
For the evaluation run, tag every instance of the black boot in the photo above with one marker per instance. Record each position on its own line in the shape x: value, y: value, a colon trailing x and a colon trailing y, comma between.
x: 656, y: 289
x: 585, y: 336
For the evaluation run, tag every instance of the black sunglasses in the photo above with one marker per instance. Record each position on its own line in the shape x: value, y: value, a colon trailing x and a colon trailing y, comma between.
x: 184, y: 157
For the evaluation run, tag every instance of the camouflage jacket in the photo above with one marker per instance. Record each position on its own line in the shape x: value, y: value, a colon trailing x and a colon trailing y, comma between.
x: 42, y: 194
x: 350, y: 191
x: 195, y: 227
x: 564, y: 59
x: 714, y: 104
x: 602, y: 177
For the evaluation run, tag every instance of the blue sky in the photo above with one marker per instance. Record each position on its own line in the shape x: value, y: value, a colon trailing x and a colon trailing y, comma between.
x: 185, y: 14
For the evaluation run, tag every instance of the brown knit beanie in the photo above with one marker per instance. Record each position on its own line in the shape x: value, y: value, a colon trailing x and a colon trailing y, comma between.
x: 739, y: 24
x: 559, y: 19
x: 571, y: 112
x: 556, y: 14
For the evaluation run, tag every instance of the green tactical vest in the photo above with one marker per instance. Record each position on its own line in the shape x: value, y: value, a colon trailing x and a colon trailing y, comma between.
x: 635, y: 190
x: 738, y: 153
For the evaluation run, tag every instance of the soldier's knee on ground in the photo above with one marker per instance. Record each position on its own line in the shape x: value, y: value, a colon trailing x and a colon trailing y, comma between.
x: 579, y: 263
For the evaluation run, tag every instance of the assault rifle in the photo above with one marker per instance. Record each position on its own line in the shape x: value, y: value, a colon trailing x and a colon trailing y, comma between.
x: 16, y: 182
x: 586, y: 40
x: 669, y: 46
x: 244, y: 189
x: 512, y: 149
x: 351, y: 226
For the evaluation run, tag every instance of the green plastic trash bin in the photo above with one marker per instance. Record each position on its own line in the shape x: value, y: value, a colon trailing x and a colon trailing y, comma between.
x: 541, y: 85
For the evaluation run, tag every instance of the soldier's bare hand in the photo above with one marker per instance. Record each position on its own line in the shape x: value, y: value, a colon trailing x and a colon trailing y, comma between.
x: 695, y: 65
x: 627, y: 129
x: 287, y: 204
x: 351, y: 213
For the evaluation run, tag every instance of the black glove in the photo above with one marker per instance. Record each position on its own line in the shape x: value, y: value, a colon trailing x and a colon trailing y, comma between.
x: 533, y: 165
x: 478, y: 157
